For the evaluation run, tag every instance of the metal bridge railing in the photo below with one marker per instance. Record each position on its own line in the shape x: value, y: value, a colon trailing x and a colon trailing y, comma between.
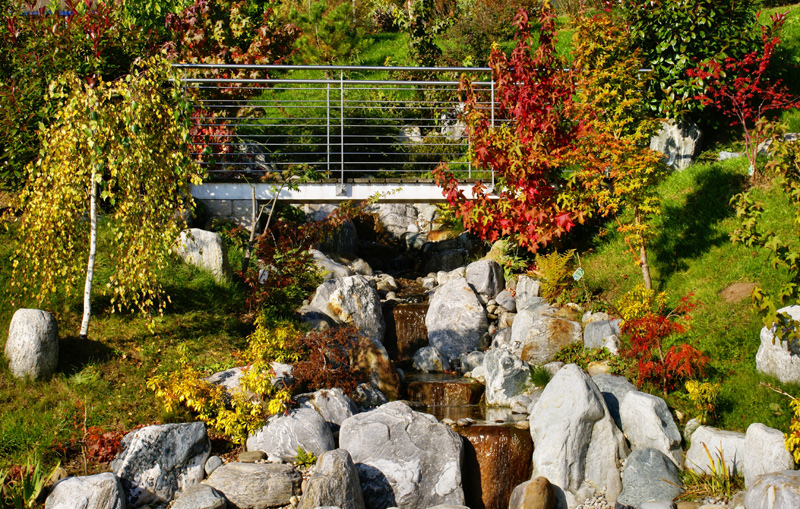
x: 335, y: 122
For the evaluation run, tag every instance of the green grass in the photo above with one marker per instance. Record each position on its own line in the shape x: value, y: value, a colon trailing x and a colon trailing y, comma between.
x: 101, y: 380
x: 692, y: 254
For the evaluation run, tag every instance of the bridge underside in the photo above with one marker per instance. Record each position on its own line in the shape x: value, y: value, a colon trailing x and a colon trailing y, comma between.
x: 391, y: 191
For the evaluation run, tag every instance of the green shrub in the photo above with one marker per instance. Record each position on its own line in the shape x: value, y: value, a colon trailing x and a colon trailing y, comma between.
x: 674, y: 35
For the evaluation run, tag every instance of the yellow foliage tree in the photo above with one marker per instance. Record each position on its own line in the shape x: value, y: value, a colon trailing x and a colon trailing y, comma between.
x: 122, y: 144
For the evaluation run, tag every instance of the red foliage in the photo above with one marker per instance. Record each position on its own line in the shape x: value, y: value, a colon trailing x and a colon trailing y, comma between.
x: 101, y: 446
x: 326, y: 361
x: 742, y: 90
x: 535, y: 142
x: 656, y: 364
x: 224, y: 32
x: 211, y: 137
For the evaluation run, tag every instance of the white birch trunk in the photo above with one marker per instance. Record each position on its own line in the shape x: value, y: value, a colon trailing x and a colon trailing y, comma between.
x: 87, y: 289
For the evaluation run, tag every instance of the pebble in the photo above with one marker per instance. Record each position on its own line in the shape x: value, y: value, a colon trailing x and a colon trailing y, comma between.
x: 466, y: 421
x: 597, y: 502
x: 522, y: 425
x: 448, y: 421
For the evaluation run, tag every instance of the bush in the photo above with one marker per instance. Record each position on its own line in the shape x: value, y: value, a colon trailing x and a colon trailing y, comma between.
x: 326, y: 360
x: 478, y: 25
x: 661, y: 361
x: 674, y: 35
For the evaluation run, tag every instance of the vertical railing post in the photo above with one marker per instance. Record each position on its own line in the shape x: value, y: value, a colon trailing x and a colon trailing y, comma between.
x: 492, y: 85
x: 341, y: 113
x: 328, y: 128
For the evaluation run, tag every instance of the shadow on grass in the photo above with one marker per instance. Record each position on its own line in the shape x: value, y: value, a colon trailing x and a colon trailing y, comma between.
x: 76, y: 353
x: 689, y: 230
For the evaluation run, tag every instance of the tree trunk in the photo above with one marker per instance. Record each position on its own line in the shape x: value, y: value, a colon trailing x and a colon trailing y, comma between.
x: 643, y: 255
x: 87, y: 290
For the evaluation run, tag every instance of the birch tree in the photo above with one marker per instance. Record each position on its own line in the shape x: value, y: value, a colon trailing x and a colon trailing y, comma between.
x: 121, y: 145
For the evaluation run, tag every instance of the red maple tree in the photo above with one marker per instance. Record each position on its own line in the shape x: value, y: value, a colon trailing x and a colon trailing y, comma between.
x: 743, y: 90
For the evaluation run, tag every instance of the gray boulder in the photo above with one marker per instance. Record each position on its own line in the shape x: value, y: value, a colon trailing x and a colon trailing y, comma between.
x: 368, y: 396
x: 778, y: 490
x: 405, y: 459
x: 282, y: 434
x: 343, y: 241
x: 507, y: 376
x: 721, y: 444
x: 602, y: 333
x: 577, y: 446
x: 780, y: 359
x: 456, y: 320
x: 486, y: 278
x: 764, y: 453
x: 101, y: 491
x: 471, y: 360
x: 327, y: 267
x: 332, y: 404
x: 395, y: 217
x: 429, y: 359
x: 32, y: 346
x: 506, y: 301
x: 614, y: 388
x: 156, y: 462
x: 334, y: 483
x: 647, y: 423
x: 649, y: 476
x: 352, y: 300
x: 527, y: 291
x: 679, y: 141
x: 199, y: 496
x: 256, y: 485
x: 537, y: 334
x: 205, y: 250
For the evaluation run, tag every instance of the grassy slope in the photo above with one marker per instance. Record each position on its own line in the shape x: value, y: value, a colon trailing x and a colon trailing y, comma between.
x: 692, y: 254
x: 101, y: 381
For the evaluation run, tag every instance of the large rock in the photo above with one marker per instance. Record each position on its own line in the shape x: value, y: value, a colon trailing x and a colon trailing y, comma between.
x: 649, y: 475
x: 199, y: 496
x: 577, y: 446
x: 537, y: 493
x: 256, y: 485
x: 205, y: 250
x: 334, y: 483
x: 764, y: 452
x: 372, y: 358
x: 101, y: 491
x: 527, y: 292
x: 430, y: 360
x: 647, y: 423
x: 537, y: 334
x: 351, y: 300
x: 679, y: 141
x: 343, y: 241
x: 395, y: 218
x: 32, y: 346
x: 404, y: 458
x: 156, y: 462
x: 332, y: 404
x: 780, y: 359
x: 614, y: 388
x: 283, y: 434
x: 779, y: 490
x: 721, y: 444
x: 602, y: 333
x: 506, y: 376
x: 329, y: 268
x: 486, y: 278
x: 456, y: 320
